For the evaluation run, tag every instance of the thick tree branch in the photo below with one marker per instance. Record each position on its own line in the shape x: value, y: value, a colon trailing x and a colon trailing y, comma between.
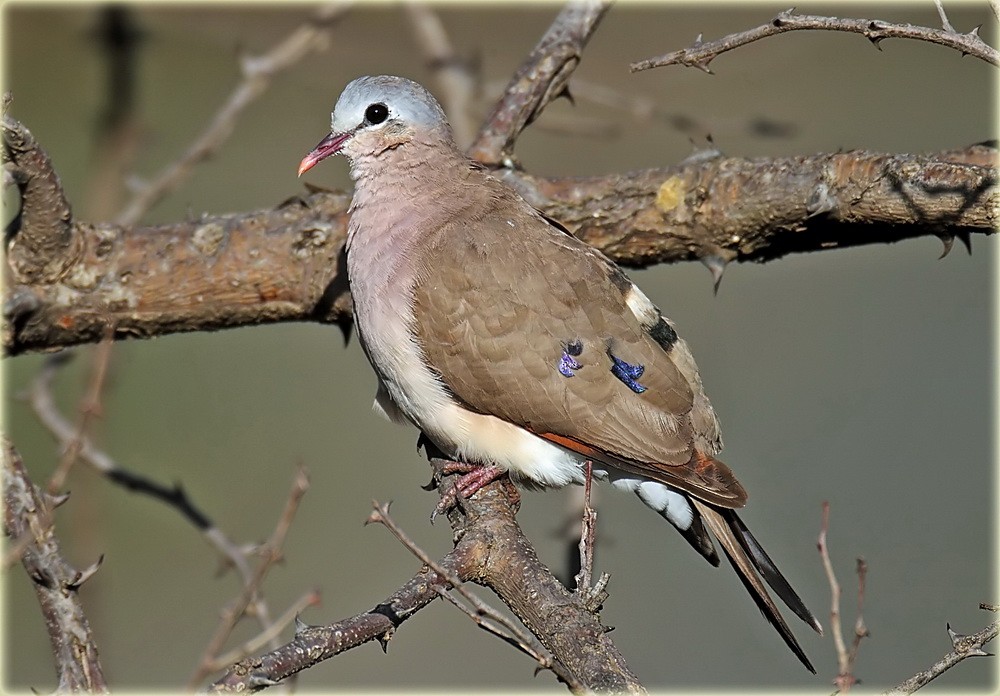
x: 28, y: 520
x: 481, y: 613
x: 287, y: 264
x: 875, y: 30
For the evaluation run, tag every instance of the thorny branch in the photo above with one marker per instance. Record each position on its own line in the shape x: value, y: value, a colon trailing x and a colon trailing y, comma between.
x: 718, y: 209
x: 963, y: 647
x: 267, y: 637
x: 27, y: 516
x: 875, y: 30
x: 491, y: 550
x: 497, y: 621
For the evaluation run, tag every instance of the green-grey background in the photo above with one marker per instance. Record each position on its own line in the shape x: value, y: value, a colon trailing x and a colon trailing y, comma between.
x: 863, y: 377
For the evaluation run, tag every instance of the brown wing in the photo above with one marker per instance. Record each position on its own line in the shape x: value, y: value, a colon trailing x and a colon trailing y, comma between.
x: 500, y: 305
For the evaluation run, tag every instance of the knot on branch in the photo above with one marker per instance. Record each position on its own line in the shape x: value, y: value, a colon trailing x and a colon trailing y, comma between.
x: 40, y: 240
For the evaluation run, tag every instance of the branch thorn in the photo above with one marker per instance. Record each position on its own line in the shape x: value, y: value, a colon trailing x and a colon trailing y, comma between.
x: 55, y: 501
x: 84, y: 575
x: 716, y: 265
x: 385, y: 638
x: 966, y: 240
x: 948, y: 241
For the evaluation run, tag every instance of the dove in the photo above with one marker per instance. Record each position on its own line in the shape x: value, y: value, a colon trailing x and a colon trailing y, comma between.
x: 516, y: 348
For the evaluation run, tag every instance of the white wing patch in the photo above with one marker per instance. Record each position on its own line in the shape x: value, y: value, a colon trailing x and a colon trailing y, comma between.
x: 643, y: 309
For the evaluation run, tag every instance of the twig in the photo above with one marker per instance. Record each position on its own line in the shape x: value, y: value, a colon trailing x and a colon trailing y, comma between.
x: 515, y: 636
x: 593, y: 596
x: 27, y: 515
x: 588, y: 524
x: 271, y: 552
x: 875, y: 30
x: 846, y: 659
x: 314, y: 644
x: 860, y: 629
x: 257, y: 75
x: 962, y: 647
x: 455, y: 77
x: 270, y: 634
x: 945, y: 24
x: 90, y: 407
x: 42, y: 403
x: 541, y: 78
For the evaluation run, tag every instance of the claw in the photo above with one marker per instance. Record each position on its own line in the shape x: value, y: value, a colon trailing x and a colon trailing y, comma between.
x: 474, y: 477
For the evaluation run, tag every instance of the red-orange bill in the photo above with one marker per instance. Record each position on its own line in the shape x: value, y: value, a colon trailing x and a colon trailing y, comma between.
x: 330, y: 145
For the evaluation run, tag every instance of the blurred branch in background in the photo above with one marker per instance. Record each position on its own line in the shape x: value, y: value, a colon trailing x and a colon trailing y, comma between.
x: 270, y: 552
x: 258, y: 71
x: 90, y: 407
x: 43, y: 404
x: 456, y: 78
x: 542, y: 77
x: 875, y: 30
x: 119, y: 38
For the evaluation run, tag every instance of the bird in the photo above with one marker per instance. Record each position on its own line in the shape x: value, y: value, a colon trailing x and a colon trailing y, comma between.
x: 515, y: 347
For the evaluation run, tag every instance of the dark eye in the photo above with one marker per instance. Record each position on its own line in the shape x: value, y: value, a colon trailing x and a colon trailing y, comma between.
x: 376, y: 113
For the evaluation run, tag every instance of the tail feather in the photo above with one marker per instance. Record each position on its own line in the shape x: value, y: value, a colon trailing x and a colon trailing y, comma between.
x: 700, y: 540
x: 747, y: 558
x: 765, y: 566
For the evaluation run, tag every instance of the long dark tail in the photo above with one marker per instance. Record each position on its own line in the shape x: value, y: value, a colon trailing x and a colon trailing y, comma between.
x: 752, y: 563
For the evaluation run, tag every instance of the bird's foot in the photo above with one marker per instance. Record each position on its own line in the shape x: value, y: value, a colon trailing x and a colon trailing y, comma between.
x: 474, y: 477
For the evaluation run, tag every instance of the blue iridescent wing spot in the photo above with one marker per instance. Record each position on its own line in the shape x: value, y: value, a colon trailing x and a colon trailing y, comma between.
x: 627, y: 373
x: 568, y: 363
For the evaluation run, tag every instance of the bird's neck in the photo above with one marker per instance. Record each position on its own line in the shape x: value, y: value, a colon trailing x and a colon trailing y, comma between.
x: 400, y: 197
x: 403, y: 193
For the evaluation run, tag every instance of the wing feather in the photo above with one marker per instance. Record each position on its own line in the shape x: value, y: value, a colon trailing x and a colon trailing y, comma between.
x: 496, y: 307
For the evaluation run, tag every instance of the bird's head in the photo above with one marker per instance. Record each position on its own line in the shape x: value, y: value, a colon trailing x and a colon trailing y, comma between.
x: 376, y: 114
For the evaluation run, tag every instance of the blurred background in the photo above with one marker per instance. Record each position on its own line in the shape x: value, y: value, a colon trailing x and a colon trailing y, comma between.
x: 863, y: 376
